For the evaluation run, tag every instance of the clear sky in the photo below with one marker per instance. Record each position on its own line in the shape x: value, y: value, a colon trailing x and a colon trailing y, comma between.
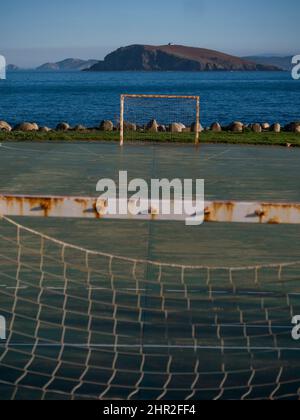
x: 35, y: 31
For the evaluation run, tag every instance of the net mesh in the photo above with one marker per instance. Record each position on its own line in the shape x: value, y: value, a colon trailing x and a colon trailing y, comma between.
x: 90, y: 325
x: 155, y: 118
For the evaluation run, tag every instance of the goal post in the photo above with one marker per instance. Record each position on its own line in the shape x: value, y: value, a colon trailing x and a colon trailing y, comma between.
x: 172, y: 114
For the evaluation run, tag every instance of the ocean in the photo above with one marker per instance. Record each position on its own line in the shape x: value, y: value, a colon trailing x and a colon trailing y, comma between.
x: 48, y: 98
x: 91, y: 326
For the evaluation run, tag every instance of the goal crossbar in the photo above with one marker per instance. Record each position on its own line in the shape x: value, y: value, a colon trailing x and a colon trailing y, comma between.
x: 91, y: 208
x: 161, y: 96
x: 144, y: 96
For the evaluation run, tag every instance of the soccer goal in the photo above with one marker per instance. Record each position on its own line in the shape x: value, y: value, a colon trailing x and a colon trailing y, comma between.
x: 92, y: 325
x: 160, y: 118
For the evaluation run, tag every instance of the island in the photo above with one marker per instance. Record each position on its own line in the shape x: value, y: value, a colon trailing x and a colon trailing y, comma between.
x: 69, y: 64
x: 175, y: 58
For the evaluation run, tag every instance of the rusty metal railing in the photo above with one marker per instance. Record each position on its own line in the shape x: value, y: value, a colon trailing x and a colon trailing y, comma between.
x: 90, y: 207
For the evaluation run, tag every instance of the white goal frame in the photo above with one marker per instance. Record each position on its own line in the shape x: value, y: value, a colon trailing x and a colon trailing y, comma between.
x: 126, y: 96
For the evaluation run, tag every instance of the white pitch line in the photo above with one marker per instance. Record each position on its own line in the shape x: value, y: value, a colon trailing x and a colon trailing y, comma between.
x: 153, y: 346
x: 251, y: 326
x: 200, y: 292
x: 216, y: 155
x: 31, y: 151
x: 134, y: 290
x: 117, y: 290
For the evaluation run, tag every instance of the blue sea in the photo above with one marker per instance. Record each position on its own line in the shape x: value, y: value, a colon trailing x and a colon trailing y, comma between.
x: 87, y: 98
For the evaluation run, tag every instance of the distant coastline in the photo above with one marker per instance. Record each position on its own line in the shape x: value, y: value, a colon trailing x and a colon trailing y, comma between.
x: 165, y: 58
x: 175, y: 58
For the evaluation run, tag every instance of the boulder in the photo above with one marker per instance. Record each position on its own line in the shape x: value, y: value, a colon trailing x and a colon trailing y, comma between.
x: 130, y: 126
x: 35, y: 126
x: 193, y: 128
x: 44, y: 129
x: 256, y: 128
x: 106, y: 125
x: 176, y: 128
x: 293, y: 127
x: 276, y: 128
x: 152, y: 126
x: 79, y: 127
x: 26, y: 126
x: 216, y: 127
x: 63, y: 126
x: 296, y: 127
x: 236, y: 127
x: 265, y: 126
x: 4, y: 126
x: 162, y: 128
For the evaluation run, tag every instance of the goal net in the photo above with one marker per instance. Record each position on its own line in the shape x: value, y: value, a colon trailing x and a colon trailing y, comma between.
x: 160, y: 118
x: 91, y: 325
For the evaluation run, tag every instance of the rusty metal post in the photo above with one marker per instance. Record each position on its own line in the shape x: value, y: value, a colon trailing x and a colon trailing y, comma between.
x: 122, y: 121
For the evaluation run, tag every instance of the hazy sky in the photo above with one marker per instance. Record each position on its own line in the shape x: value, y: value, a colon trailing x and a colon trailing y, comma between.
x: 35, y: 31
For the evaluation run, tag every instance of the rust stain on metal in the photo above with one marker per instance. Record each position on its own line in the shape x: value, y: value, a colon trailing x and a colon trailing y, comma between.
x: 211, y: 214
x: 88, y: 207
x: 12, y: 201
x: 82, y: 201
x: 274, y: 221
x: 100, y: 207
x: 153, y: 213
x: 46, y: 204
x: 96, y: 212
x: 273, y: 212
x: 285, y: 206
x: 207, y: 214
x: 260, y: 214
